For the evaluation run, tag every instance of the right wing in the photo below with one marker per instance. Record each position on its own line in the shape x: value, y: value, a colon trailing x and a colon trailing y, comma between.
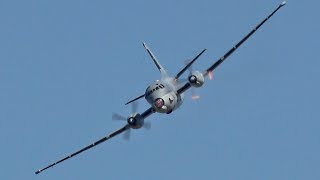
x: 126, y: 127
x: 143, y: 115
x: 228, y: 53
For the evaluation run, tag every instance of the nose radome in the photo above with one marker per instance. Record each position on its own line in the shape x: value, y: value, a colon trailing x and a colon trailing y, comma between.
x: 159, y: 103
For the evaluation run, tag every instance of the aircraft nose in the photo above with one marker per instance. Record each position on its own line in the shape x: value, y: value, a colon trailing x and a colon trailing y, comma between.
x: 158, y: 103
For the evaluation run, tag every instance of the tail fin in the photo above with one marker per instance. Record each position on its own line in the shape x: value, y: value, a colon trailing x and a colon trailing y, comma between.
x: 161, y: 69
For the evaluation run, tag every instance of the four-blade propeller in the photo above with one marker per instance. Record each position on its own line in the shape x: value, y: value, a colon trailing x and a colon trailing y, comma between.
x: 118, y: 117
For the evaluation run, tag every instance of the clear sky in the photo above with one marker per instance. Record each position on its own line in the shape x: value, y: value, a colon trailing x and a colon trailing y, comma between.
x: 65, y: 66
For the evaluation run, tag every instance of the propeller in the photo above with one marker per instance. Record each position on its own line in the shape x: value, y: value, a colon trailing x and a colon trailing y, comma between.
x: 194, y: 95
x: 119, y: 117
x: 210, y: 75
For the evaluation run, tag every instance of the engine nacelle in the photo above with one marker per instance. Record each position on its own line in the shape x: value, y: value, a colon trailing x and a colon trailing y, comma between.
x: 135, y: 121
x: 196, y: 79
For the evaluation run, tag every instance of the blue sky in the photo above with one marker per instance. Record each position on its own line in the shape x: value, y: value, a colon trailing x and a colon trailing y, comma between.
x: 65, y: 66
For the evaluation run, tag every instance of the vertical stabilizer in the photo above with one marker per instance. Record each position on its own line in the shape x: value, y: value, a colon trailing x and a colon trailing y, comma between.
x: 156, y: 62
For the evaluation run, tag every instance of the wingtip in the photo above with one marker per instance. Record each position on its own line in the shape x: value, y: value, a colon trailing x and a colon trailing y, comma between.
x: 37, y: 172
x: 283, y: 3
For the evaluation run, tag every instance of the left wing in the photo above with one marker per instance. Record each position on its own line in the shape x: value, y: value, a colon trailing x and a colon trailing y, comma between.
x: 227, y: 54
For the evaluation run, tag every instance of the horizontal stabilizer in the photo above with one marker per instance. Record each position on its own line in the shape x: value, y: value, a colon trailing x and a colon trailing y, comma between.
x: 135, y: 99
x: 189, y: 64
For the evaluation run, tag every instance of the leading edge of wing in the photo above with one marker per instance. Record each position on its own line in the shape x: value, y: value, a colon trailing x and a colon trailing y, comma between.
x: 228, y: 53
x: 126, y: 127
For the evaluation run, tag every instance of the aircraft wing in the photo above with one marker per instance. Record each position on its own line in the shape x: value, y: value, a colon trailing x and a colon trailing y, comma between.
x: 228, y: 53
x: 127, y: 127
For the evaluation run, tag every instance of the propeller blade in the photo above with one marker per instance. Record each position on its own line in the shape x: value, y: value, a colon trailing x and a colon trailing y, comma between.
x: 189, y: 64
x: 126, y: 127
x: 147, y: 125
x: 134, y: 107
x: 190, y: 68
x: 127, y: 135
x: 210, y: 75
x: 194, y: 95
x: 116, y: 116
